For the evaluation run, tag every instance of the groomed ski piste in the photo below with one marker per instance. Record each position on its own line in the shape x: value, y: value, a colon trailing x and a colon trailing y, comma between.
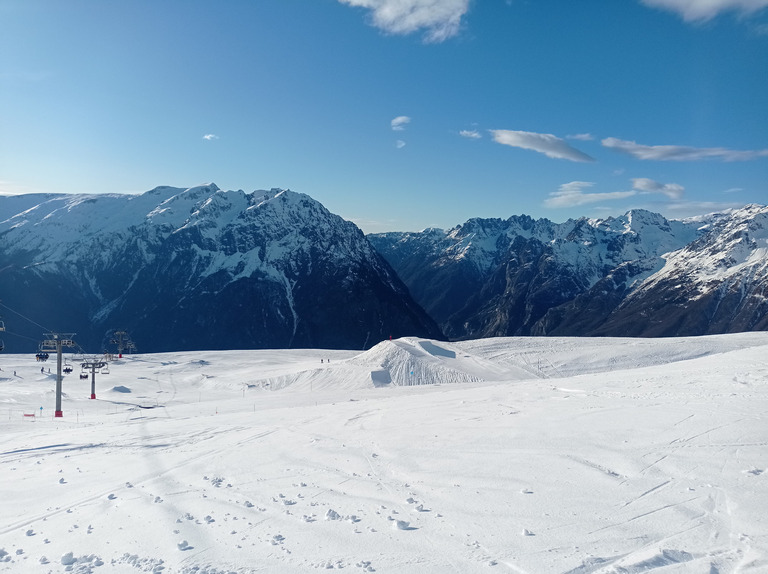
x: 524, y: 455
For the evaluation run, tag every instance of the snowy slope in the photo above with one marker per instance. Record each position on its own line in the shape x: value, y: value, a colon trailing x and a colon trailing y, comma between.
x: 555, y: 455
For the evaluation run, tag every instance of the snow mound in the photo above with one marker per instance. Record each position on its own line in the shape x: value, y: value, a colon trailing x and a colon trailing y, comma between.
x: 120, y: 389
x: 407, y: 362
x: 401, y: 362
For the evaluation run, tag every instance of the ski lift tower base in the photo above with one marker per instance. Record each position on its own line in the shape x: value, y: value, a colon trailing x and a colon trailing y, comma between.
x: 55, y: 342
x: 93, y: 365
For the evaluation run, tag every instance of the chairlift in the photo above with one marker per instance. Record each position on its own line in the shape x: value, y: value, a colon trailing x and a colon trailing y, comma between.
x: 105, y: 370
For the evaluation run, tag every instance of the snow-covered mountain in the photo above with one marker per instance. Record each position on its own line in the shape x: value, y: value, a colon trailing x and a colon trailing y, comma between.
x: 716, y: 284
x: 639, y: 274
x: 199, y: 268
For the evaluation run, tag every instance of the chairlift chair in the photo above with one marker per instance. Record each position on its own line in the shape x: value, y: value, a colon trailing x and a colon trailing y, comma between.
x: 105, y: 370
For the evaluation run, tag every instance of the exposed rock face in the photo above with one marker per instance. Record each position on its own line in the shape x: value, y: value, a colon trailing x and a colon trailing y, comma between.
x: 638, y: 274
x: 716, y: 284
x: 200, y: 268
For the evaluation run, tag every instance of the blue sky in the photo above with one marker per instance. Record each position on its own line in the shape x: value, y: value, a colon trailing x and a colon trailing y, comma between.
x: 395, y: 114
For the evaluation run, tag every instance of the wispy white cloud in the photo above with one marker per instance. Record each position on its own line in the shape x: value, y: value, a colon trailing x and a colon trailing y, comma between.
x: 681, y: 209
x: 210, y: 137
x: 439, y: 19
x: 399, y: 144
x: 13, y: 188
x: 580, y: 137
x: 703, y: 10
x: 471, y: 134
x: 681, y: 153
x: 572, y: 194
x: 645, y: 185
x: 398, y: 124
x: 549, y: 145
x: 733, y: 190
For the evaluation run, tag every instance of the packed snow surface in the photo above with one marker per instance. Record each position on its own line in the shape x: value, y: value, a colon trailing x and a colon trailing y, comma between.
x: 524, y: 455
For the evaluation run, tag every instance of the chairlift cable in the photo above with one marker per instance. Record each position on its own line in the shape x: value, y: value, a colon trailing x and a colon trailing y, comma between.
x: 22, y: 336
x: 25, y: 317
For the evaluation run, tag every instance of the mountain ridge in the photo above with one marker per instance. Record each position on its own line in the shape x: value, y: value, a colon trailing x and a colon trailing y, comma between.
x: 205, y: 268
x: 200, y: 267
x: 521, y: 276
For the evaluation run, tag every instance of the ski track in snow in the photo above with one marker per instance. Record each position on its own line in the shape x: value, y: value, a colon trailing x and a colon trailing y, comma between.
x: 526, y: 455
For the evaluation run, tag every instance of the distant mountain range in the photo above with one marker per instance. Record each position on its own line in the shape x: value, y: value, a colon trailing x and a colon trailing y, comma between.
x: 197, y: 268
x: 202, y: 268
x: 635, y: 275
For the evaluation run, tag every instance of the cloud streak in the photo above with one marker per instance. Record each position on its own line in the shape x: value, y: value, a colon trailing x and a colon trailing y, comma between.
x: 703, y: 10
x: 645, y: 185
x: 580, y: 137
x: 439, y: 19
x: 572, y: 194
x: 12, y: 188
x: 210, y: 137
x: 470, y: 134
x: 549, y: 145
x: 681, y: 153
x: 398, y: 124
